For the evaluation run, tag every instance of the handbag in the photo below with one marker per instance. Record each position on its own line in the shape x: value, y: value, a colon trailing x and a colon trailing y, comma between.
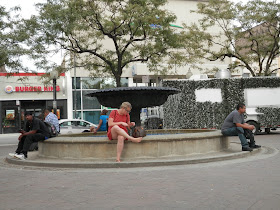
x: 138, y: 131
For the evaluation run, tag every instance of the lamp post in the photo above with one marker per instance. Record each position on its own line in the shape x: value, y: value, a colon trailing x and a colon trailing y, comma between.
x: 54, y: 76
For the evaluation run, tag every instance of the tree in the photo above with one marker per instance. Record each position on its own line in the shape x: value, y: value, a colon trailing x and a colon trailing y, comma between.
x: 248, y: 33
x: 106, y: 35
x: 12, y: 40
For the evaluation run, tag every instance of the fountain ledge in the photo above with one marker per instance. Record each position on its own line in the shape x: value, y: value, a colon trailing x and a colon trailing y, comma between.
x: 152, y: 146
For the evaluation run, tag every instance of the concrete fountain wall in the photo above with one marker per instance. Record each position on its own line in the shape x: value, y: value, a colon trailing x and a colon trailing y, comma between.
x: 170, y: 143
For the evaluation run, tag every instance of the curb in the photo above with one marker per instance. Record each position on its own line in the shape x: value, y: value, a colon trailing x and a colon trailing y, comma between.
x: 135, y: 163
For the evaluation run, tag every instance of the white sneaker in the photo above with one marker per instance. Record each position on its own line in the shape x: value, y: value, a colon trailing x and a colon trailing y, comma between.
x: 12, y: 154
x: 20, y: 156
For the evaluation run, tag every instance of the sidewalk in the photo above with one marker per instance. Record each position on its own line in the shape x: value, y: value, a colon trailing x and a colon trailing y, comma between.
x: 9, y: 134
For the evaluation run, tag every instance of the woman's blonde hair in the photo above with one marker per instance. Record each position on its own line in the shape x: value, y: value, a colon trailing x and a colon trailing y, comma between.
x: 126, y: 105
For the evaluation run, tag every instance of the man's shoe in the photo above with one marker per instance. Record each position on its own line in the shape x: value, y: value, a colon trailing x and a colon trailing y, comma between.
x: 255, y: 146
x: 12, y: 154
x: 20, y: 156
x: 247, y: 149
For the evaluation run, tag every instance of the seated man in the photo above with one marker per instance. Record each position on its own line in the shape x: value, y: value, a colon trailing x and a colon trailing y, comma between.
x: 234, y: 125
x: 52, y: 119
x: 35, y: 130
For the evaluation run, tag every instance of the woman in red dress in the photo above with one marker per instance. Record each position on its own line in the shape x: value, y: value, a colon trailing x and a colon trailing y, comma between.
x: 118, y: 122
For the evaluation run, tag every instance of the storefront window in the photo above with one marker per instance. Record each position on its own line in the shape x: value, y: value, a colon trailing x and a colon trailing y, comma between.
x: 78, y: 99
x: 9, y: 120
x: 78, y: 115
x: 91, y: 83
x: 78, y: 83
x: 91, y: 116
x: 90, y: 102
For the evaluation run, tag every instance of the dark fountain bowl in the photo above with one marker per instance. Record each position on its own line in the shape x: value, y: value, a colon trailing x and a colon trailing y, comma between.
x: 139, y: 97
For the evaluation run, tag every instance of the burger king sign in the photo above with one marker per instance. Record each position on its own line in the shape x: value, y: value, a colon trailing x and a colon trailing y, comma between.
x: 9, y: 89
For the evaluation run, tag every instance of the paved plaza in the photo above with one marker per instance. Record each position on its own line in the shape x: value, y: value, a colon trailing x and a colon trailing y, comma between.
x: 252, y: 182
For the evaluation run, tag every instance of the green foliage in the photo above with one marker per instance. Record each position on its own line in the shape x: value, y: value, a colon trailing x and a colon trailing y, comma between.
x: 270, y: 117
x: 249, y: 33
x: 182, y: 110
x: 106, y: 35
x: 12, y: 39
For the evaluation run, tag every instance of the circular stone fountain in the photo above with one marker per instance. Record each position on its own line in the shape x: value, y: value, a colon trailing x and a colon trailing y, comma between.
x: 159, y: 147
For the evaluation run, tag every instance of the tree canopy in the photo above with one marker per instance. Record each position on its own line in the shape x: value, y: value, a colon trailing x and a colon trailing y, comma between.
x: 12, y: 40
x: 248, y: 33
x: 106, y: 35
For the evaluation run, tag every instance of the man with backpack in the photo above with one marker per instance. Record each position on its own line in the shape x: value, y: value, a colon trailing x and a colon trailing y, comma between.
x: 52, y: 119
x: 35, y: 130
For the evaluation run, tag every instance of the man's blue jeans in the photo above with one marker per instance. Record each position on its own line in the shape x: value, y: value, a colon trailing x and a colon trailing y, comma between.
x: 237, y: 131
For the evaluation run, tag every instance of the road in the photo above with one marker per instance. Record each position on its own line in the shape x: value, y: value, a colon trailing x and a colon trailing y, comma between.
x: 247, y: 183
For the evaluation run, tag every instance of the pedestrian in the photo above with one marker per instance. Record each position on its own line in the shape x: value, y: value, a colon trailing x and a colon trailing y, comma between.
x: 52, y: 119
x: 102, y: 125
x: 35, y: 130
x: 119, y: 121
x: 234, y: 125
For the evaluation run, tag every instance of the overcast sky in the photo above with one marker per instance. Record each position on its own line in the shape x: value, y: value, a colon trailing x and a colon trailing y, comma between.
x: 28, y: 7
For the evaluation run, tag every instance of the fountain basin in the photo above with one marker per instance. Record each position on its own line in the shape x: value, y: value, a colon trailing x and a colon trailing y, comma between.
x: 139, y: 97
x: 160, y: 144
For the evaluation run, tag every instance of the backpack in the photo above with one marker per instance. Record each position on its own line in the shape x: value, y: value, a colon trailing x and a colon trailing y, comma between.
x: 52, y: 130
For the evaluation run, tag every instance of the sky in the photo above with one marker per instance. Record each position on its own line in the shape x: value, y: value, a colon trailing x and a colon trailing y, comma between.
x: 27, y: 6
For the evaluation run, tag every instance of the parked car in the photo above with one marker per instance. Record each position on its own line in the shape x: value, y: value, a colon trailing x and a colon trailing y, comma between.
x: 68, y: 126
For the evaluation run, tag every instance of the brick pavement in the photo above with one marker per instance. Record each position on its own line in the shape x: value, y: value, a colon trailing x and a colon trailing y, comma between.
x: 247, y: 183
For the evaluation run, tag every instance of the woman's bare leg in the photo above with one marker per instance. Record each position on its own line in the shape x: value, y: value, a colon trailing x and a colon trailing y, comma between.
x: 119, y: 148
x: 116, y: 131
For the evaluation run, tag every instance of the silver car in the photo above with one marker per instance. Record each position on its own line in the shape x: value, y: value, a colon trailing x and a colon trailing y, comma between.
x: 68, y: 126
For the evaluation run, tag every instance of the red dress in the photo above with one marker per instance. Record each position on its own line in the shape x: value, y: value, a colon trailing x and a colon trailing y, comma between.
x: 118, y: 118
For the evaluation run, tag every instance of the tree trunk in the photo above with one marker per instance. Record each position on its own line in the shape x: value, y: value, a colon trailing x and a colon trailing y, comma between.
x: 118, y: 80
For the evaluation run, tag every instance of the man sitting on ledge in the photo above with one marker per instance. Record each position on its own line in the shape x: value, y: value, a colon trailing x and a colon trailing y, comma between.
x: 35, y: 130
x: 234, y: 125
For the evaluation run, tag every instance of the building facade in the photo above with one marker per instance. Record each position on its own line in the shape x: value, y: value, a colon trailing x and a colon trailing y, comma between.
x: 26, y: 92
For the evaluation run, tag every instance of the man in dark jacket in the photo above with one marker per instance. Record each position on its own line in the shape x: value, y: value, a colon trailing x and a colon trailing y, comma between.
x: 35, y: 130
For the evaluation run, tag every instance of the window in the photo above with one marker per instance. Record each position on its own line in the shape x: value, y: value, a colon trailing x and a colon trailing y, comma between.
x: 91, y: 116
x: 91, y: 83
x: 77, y: 99
x: 90, y: 102
x: 78, y: 83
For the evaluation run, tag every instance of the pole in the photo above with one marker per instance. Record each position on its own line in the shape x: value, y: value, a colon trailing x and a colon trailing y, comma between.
x: 54, y: 97
x: 1, y: 118
x: 75, y: 89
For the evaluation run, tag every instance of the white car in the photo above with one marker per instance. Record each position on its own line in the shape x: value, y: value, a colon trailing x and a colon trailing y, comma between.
x: 68, y: 126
